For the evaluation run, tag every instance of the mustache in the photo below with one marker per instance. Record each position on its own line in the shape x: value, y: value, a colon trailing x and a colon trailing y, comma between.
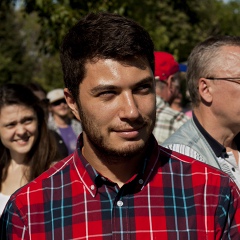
x: 130, y: 125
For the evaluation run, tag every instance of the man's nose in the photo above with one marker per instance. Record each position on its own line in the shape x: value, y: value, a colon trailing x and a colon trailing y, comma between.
x: 128, y: 107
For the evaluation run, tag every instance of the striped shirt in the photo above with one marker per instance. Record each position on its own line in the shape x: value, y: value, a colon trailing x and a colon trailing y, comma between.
x: 194, y: 141
x: 168, y: 121
x: 172, y: 197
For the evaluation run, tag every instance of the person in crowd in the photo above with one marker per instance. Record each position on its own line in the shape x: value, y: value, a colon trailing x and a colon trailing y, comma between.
x: 168, y: 120
x: 187, y: 109
x: 213, y: 78
x: 26, y: 149
x: 60, y: 121
x: 41, y: 93
x: 177, y: 103
x: 119, y: 183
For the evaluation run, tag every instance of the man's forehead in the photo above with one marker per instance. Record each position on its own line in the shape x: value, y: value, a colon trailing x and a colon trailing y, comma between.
x: 225, y: 62
x: 230, y: 53
x: 139, y: 62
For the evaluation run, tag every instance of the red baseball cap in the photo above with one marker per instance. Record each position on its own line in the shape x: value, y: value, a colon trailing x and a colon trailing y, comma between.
x: 165, y: 65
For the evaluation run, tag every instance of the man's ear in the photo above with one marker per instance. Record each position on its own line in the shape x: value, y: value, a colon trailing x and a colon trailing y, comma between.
x: 170, y: 83
x: 205, y: 90
x: 71, y: 103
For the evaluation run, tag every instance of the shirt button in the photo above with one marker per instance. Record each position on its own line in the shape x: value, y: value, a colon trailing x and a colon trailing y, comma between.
x: 119, y: 203
x: 92, y: 187
x: 140, y: 181
x: 103, y: 178
x: 233, y: 169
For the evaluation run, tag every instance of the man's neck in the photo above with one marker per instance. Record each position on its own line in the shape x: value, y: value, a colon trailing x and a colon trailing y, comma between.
x: 61, y: 121
x: 117, y: 170
x: 213, y: 125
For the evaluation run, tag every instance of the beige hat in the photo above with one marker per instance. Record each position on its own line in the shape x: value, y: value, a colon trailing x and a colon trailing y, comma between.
x: 55, y: 95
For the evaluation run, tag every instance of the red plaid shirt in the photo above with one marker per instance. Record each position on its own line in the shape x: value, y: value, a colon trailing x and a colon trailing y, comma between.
x: 172, y: 197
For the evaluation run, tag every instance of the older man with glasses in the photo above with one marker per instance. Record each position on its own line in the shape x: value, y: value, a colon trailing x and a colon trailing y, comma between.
x: 213, y: 79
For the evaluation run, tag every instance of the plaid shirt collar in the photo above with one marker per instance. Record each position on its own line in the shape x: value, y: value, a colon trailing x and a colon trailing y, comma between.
x: 93, y: 180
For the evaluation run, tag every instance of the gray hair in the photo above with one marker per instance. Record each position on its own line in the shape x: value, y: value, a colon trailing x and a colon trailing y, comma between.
x: 161, y: 83
x: 205, y: 60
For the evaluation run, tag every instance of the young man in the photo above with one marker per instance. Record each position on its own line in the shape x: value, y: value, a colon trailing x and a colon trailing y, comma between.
x: 213, y: 78
x: 119, y: 184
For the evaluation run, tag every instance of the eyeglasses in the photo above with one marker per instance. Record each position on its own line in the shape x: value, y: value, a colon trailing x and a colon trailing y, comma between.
x: 226, y: 79
x: 58, y: 102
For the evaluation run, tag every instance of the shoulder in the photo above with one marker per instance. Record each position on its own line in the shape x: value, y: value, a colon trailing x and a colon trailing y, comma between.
x: 76, y: 125
x: 51, y: 123
x: 184, y: 140
x: 36, y: 187
x: 186, y: 150
x: 186, y: 132
x: 160, y: 103
x: 171, y: 114
x: 197, y: 172
x: 31, y: 199
x: 75, y: 122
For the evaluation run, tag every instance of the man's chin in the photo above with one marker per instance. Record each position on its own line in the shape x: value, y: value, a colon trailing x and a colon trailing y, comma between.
x: 130, y: 151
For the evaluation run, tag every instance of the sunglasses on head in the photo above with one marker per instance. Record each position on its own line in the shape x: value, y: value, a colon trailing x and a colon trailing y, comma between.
x: 58, y: 102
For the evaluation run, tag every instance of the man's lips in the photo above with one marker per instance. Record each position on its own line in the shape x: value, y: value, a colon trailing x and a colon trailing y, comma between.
x: 129, y: 132
x: 128, y: 128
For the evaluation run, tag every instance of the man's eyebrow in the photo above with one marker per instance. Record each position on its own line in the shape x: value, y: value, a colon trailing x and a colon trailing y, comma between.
x: 102, y: 87
x: 106, y: 87
x: 144, y: 81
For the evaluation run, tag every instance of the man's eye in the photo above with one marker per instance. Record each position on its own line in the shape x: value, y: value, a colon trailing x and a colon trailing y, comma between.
x: 144, y: 88
x: 107, y: 93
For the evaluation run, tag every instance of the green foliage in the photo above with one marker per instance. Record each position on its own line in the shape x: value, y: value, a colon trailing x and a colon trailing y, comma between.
x: 15, y: 64
x: 175, y: 26
x: 50, y: 75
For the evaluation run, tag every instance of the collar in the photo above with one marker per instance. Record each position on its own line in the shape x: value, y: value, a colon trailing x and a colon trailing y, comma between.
x: 93, y: 180
x: 218, y: 149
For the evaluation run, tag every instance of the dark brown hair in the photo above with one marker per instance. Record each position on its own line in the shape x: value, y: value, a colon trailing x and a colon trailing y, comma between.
x: 102, y: 36
x: 44, y: 150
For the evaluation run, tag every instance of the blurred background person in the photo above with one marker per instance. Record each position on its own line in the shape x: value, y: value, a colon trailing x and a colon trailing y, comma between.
x: 177, y: 103
x: 182, y: 102
x: 41, y: 93
x: 26, y: 148
x: 167, y: 76
x: 168, y: 120
x: 186, y: 100
x: 60, y: 121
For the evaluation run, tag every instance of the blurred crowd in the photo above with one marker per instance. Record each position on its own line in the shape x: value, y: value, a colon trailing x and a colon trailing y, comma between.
x: 37, y: 130
x: 139, y: 135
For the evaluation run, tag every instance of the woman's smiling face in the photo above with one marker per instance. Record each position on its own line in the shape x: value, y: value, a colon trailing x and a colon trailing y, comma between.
x: 18, y: 129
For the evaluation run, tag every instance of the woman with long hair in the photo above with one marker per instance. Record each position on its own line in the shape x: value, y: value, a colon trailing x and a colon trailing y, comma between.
x: 26, y: 147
